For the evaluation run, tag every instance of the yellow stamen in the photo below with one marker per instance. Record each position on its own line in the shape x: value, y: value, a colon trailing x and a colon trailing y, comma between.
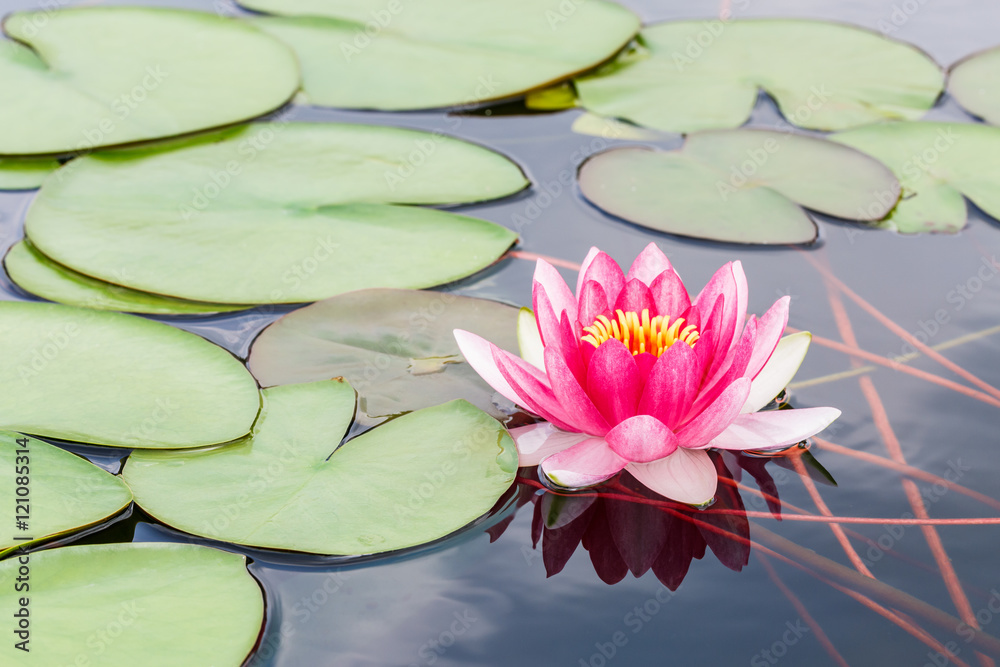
x: 640, y: 333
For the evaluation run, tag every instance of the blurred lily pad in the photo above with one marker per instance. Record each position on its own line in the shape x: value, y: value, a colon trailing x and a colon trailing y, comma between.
x: 120, y: 380
x: 79, y: 79
x: 34, y: 272
x: 740, y: 186
x: 120, y: 605
x: 276, y: 213
x: 373, y: 54
x: 65, y: 493
x: 686, y: 76
x: 975, y: 83
x: 937, y: 163
x: 18, y: 174
x: 394, y: 346
x: 290, y: 486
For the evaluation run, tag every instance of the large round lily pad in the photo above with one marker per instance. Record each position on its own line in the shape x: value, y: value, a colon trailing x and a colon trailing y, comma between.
x: 121, y: 605
x: 79, y: 79
x: 289, y: 486
x: 975, y: 83
x: 62, y: 492
x: 22, y: 174
x: 373, y: 54
x: 394, y: 346
x: 119, y: 380
x: 698, y: 75
x: 34, y: 272
x: 937, y: 163
x: 276, y: 213
x: 742, y: 186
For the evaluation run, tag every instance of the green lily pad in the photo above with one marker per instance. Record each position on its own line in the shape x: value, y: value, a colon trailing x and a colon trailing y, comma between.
x: 61, y: 493
x: 394, y: 346
x: 373, y: 54
x: 937, y: 163
x: 120, y: 605
x: 24, y: 174
x: 289, y: 486
x: 276, y: 213
x: 740, y: 186
x: 34, y: 272
x: 79, y: 79
x: 975, y: 83
x: 120, y: 380
x: 696, y: 75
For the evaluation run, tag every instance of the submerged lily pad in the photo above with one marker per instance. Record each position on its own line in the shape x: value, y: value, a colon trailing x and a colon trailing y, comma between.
x: 696, y: 75
x: 62, y: 492
x: 34, y: 272
x: 289, y: 486
x: 373, y: 54
x: 120, y: 380
x: 121, y: 605
x: 741, y: 186
x: 24, y: 174
x: 79, y: 79
x: 937, y: 163
x: 394, y: 346
x: 276, y: 213
x: 975, y: 83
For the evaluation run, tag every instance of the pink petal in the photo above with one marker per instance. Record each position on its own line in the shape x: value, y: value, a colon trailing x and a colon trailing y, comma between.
x: 769, y: 329
x: 672, y: 385
x: 714, y: 419
x: 536, y: 442
x: 644, y: 363
x: 613, y: 381
x: 558, y: 333
x: 584, y: 266
x: 605, y: 271
x: 642, y: 439
x: 635, y: 297
x: 670, y: 295
x: 731, y: 283
x: 593, y: 302
x: 532, y: 387
x: 778, y: 371
x: 584, y: 464
x: 547, y: 278
x: 649, y: 263
x: 572, y: 397
x: 774, y: 428
x: 687, y: 476
x: 733, y: 367
x: 479, y: 353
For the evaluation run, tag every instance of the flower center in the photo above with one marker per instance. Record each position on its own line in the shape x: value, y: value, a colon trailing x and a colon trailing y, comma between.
x: 639, y: 333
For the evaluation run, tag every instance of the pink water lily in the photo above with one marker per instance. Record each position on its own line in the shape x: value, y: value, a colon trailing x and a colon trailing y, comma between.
x: 631, y: 373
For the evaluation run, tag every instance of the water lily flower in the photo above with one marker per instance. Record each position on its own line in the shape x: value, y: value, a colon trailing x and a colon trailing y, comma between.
x: 633, y: 374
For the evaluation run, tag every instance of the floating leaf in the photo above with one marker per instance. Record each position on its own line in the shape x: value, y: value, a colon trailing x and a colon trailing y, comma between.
x: 610, y: 128
x: 554, y: 98
x: 276, y: 213
x: 697, y: 75
x: 410, y: 481
x: 370, y: 54
x: 394, y: 346
x: 120, y: 605
x: 975, y: 83
x: 119, y: 380
x: 34, y: 272
x: 937, y: 163
x: 24, y: 174
x: 741, y: 186
x: 79, y: 79
x: 61, y: 491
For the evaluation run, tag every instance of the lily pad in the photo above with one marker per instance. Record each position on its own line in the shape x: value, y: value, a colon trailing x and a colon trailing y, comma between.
x: 79, y: 79
x: 740, y: 186
x: 975, y: 83
x: 24, y: 174
x: 937, y: 163
x: 695, y: 75
x: 62, y: 492
x: 373, y: 54
x: 289, y: 486
x: 394, y: 346
x: 120, y: 605
x: 276, y: 213
x: 120, y: 380
x: 34, y: 272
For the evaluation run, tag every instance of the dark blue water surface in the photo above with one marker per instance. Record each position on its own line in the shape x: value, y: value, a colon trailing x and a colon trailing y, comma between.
x: 473, y: 600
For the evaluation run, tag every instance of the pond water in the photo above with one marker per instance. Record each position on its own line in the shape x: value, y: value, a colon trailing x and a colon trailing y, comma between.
x: 483, y: 597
